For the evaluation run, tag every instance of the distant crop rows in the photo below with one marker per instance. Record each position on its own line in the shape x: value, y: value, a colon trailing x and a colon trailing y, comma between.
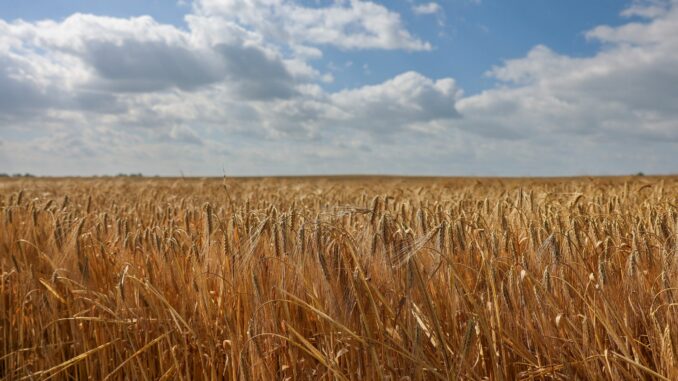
x: 339, y: 279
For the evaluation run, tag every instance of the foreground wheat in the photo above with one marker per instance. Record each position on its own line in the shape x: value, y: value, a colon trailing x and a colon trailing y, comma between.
x: 348, y: 279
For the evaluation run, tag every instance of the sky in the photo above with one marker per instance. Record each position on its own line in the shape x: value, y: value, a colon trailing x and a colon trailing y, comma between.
x: 302, y: 87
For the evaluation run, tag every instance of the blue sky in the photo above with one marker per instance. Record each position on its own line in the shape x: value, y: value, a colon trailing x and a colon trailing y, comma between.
x: 250, y: 87
x: 468, y: 37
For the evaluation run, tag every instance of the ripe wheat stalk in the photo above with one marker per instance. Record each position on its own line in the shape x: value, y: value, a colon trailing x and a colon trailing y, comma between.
x: 350, y: 279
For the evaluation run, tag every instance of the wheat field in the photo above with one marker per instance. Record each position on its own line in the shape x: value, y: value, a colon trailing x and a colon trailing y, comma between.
x: 348, y: 278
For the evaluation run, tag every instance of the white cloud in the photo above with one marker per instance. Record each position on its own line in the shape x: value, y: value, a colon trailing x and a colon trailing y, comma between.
x: 627, y: 91
x: 647, y: 8
x: 226, y: 71
x: 86, y: 53
x: 426, y: 8
x: 661, y: 29
x: 352, y: 24
x: 238, y: 87
x: 383, y: 110
x: 397, y: 103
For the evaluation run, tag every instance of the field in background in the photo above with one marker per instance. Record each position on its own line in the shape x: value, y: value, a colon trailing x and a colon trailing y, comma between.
x: 352, y: 278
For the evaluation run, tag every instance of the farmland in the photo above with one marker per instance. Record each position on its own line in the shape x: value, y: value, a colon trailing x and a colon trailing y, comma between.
x: 346, y: 278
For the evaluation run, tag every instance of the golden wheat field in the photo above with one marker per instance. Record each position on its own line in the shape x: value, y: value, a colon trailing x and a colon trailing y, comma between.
x: 349, y: 278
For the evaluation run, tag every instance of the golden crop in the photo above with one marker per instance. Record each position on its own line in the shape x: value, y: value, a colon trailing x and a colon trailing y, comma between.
x: 339, y: 278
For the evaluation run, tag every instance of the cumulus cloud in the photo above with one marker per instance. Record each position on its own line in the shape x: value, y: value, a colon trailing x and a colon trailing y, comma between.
x: 228, y: 69
x: 17, y: 94
x: 93, y: 63
x: 426, y: 8
x: 378, y: 111
x: 137, y: 66
x: 626, y: 91
x: 352, y: 24
x: 239, y: 87
x: 397, y: 103
x: 256, y: 75
x: 140, y: 55
x: 647, y: 8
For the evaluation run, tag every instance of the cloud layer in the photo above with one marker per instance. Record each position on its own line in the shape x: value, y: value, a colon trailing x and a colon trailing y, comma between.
x: 238, y: 90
